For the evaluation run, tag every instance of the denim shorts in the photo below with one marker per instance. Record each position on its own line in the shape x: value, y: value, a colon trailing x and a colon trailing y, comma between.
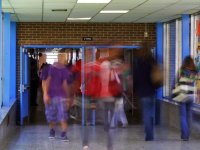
x: 56, y: 110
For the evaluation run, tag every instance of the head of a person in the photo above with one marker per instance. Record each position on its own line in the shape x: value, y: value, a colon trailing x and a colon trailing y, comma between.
x: 145, y: 50
x: 62, y: 58
x: 188, y: 63
x: 42, y: 57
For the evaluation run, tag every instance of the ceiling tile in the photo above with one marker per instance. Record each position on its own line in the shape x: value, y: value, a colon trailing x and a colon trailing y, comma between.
x: 86, y: 10
x: 8, y: 10
x: 49, y: 18
x: 129, y: 17
x: 142, y: 10
x: 58, y: 5
x: 84, y: 14
x: 25, y: 1
x: 191, y: 11
x: 177, y: 9
x: 84, y: 7
x: 28, y: 11
x: 30, y: 17
x: 104, y: 17
x: 133, y: 2
x: 60, y: 1
x: 152, y: 18
x: 6, y: 4
x: 148, y: 8
x: 27, y: 5
x: 118, y: 6
x: 189, y: 2
x: 169, y: 18
x: 182, y: 6
x: 155, y: 2
x: 125, y: 4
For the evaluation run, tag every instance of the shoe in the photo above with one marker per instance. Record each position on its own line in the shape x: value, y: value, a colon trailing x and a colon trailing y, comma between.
x: 85, y: 147
x: 64, y: 137
x: 185, y: 139
x: 124, y: 125
x: 113, y: 127
x: 149, y: 139
x: 52, y: 134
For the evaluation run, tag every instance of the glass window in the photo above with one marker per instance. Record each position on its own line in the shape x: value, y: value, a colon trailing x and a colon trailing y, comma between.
x: 172, y: 54
x: 178, y: 46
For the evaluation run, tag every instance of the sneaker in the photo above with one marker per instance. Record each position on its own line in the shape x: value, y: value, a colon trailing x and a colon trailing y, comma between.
x: 124, y: 125
x: 52, y: 134
x: 64, y: 137
x: 185, y: 139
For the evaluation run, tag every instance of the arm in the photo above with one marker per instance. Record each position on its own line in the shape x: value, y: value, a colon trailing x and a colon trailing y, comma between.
x: 68, y: 92
x: 45, y: 87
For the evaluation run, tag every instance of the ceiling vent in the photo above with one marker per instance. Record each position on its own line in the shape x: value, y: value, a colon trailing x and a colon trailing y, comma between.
x: 59, y: 10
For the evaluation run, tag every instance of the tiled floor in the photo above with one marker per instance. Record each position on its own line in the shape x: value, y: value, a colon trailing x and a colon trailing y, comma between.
x: 131, y: 138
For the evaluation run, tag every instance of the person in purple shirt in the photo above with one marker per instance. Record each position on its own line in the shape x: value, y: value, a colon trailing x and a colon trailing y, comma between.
x: 56, y: 96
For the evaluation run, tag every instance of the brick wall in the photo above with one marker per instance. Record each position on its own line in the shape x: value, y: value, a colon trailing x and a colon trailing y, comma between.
x: 72, y: 33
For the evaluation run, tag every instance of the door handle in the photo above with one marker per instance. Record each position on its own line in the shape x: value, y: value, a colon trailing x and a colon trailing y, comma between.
x: 23, y: 88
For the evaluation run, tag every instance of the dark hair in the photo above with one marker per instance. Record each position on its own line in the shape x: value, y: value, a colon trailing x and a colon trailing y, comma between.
x: 40, y: 54
x: 144, y: 52
x: 188, y: 63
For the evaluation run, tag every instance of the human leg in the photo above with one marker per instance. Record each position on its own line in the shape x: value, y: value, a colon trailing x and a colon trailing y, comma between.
x: 148, y: 105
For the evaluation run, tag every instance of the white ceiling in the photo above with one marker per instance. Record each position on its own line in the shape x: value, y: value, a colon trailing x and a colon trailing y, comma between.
x: 139, y: 10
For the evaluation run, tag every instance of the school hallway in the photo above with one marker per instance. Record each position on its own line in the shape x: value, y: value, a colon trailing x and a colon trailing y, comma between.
x: 131, y: 138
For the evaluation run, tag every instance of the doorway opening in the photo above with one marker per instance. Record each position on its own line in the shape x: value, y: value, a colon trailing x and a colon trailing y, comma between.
x: 31, y: 100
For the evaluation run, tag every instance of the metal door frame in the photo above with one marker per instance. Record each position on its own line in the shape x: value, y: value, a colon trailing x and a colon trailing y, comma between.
x: 83, y: 47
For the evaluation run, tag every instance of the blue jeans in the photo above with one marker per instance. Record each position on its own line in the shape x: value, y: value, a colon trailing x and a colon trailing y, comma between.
x: 185, y: 115
x: 148, y: 107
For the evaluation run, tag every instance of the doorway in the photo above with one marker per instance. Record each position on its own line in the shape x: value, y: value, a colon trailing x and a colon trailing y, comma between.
x: 29, y: 58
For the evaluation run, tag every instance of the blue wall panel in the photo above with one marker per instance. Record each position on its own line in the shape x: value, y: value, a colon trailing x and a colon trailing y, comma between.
x: 13, y: 61
x: 159, y: 51
x: 185, y: 35
x: 1, y: 51
x: 6, y: 55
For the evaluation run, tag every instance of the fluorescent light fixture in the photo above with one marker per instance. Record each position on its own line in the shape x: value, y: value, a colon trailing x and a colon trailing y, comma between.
x: 114, y: 11
x: 93, y: 1
x: 78, y: 18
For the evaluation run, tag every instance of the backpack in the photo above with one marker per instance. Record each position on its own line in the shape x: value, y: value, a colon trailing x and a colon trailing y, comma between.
x: 156, y: 76
x: 115, y: 86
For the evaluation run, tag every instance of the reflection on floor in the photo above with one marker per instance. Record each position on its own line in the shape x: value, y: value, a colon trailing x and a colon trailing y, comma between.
x: 131, y: 138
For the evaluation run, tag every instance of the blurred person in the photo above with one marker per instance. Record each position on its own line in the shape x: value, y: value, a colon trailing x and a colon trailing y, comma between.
x: 187, y: 76
x: 42, y: 61
x: 144, y: 87
x: 197, y: 62
x: 34, y: 81
x: 91, y: 93
x: 43, y: 73
x: 119, y: 113
x: 106, y: 99
x: 56, y: 97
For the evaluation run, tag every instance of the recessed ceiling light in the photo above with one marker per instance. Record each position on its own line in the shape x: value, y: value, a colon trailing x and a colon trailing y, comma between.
x: 78, y: 18
x: 114, y: 11
x: 93, y: 1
